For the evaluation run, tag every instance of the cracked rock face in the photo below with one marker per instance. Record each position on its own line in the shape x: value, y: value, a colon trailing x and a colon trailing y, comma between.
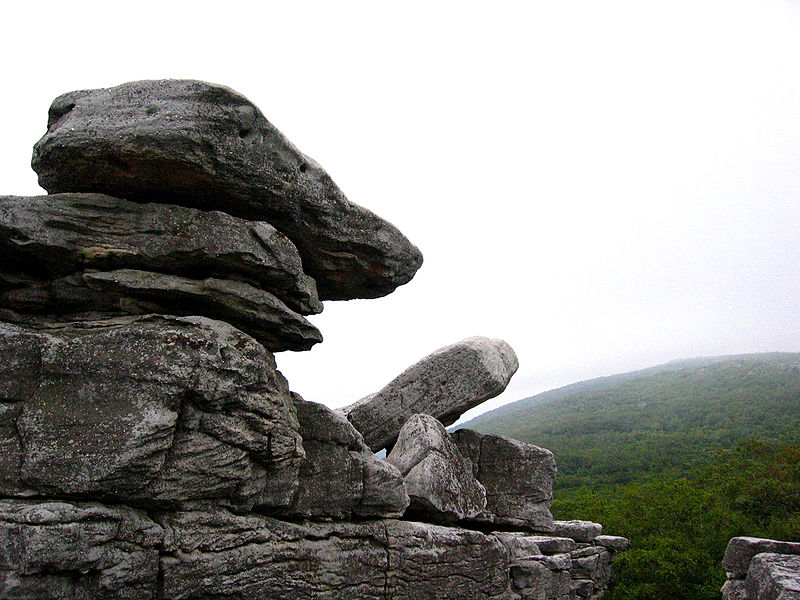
x: 203, y: 145
x: 62, y: 550
x: 518, y: 478
x: 89, y: 256
x: 156, y: 411
x: 438, y: 478
x: 340, y: 477
x: 444, y: 384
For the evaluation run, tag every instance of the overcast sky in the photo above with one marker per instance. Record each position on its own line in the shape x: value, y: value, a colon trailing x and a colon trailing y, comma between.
x: 605, y: 185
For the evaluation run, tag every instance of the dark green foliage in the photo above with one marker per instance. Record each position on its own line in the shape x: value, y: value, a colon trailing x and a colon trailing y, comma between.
x: 665, y: 457
x: 665, y: 420
x: 680, y: 527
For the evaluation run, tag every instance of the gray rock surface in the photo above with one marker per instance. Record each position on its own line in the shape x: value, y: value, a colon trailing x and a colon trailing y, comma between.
x: 444, y: 384
x: 580, y: 531
x: 773, y: 577
x: 203, y: 145
x: 103, y: 294
x: 340, y: 477
x: 518, y: 478
x: 741, y: 550
x: 613, y: 542
x: 214, y: 554
x: 69, y: 233
x: 438, y: 478
x: 154, y: 410
x: 61, y: 550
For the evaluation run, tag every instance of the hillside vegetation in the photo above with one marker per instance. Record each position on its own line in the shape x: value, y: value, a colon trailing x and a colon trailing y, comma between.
x: 678, y: 458
x: 667, y: 419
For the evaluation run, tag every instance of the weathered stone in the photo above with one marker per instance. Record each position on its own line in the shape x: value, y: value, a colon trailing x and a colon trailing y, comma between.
x: 741, y: 550
x: 541, y: 577
x: 613, y: 542
x: 202, y: 145
x: 522, y: 544
x: 438, y: 479
x: 734, y: 589
x: 774, y: 577
x: 444, y: 384
x: 67, y: 233
x: 58, y: 550
x: 518, y: 478
x: 340, y: 476
x: 151, y: 410
x: 127, y: 291
x: 216, y: 554
x: 580, y: 531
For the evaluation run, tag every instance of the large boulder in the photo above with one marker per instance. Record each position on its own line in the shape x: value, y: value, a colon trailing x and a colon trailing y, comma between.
x: 203, y: 145
x: 155, y: 411
x: 518, y: 478
x: 59, y: 235
x: 438, y: 478
x: 340, y: 477
x: 444, y: 384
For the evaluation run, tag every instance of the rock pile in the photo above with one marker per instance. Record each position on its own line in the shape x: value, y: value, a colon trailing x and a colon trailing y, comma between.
x: 761, y: 569
x: 150, y: 449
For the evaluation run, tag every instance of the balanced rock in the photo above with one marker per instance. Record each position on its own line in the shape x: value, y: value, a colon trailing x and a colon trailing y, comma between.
x: 153, y: 411
x: 340, y: 477
x: 438, y: 478
x: 518, y: 478
x: 444, y: 384
x: 203, y: 145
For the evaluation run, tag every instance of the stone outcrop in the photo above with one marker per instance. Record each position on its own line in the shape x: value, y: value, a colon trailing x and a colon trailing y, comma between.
x: 438, y: 478
x: 149, y: 447
x: 76, y: 254
x: 69, y: 549
x: 155, y: 411
x: 340, y: 477
x: 761, y: 569
x: 219, y: 152
x: 444, y: 384
x: 518, y: 479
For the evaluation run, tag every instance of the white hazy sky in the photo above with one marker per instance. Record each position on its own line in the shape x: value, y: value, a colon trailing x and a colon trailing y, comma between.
x: 605, y: 185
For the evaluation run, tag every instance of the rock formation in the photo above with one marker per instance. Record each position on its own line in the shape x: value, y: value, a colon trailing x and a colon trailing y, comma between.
x: 444, y: 384
x: 761, y: 569
x: 150, y: 449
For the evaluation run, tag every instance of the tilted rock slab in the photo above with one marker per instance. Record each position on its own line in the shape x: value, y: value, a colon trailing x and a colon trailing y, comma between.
x: 156, y: 411
x: 518, y: 478
x: 340, y: 477
x: 438, y: 478
x: 99, y: 294
x: 444, y: 384
x: 203, y: 145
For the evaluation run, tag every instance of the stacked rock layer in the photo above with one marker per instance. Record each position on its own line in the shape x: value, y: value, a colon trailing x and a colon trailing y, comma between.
x: 150, y: 449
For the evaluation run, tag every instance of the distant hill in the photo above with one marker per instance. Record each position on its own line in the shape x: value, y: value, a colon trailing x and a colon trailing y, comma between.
x: 668, y: 419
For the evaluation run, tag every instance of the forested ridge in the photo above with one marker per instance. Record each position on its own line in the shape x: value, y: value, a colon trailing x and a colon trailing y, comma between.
x: 679, y: 458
